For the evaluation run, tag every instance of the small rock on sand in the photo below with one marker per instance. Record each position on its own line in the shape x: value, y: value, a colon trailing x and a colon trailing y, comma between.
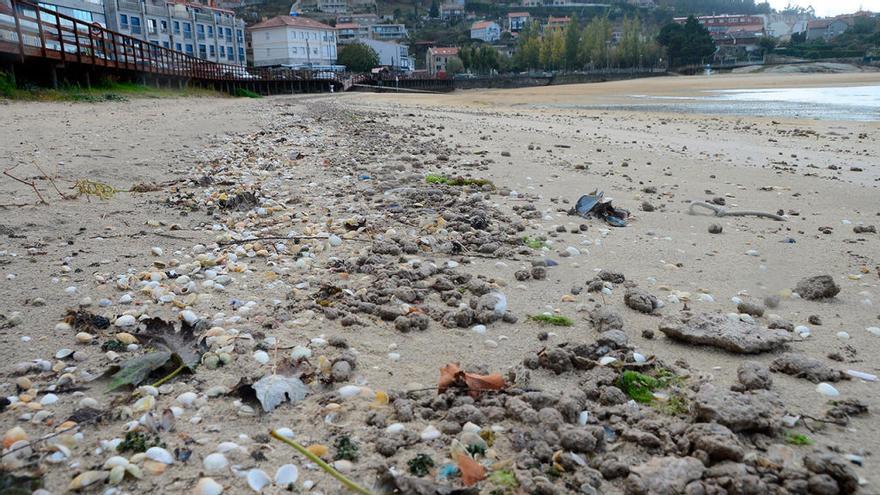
x: 758, y: 410
x: 818, y: 287
x: 663, y: 476
x: 719, y: 331
x: 640, y: 300
x: 802, y: 366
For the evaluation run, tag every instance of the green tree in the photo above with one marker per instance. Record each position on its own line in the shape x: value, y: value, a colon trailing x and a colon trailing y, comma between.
x: 435, y: 10
x: 357, y: 57
x: 631, y: 45
x: 454, y: 66
x: 528, y: 51
x: 595, y: 41
x: 572, y: 43
x: 688, y: 44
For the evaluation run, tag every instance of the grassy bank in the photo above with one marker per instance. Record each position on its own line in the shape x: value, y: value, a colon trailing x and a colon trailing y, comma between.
x: 103, y: 91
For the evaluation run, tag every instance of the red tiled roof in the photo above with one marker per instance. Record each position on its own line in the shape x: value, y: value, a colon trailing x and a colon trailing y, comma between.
x: 286, y: 20
x: 481, y: 24
x: 518, y: 14
x: 348, y: 25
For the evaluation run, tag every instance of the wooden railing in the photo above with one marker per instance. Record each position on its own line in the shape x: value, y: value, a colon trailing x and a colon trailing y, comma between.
x: 29, y: 30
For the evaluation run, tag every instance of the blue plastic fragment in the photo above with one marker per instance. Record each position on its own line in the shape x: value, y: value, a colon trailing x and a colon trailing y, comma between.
x: 447, y: 471
x: 586, y: 203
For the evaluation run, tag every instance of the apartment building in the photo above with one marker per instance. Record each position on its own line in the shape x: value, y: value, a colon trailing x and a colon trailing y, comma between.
x: 199, y: 30
x: 388, y: 32
x: 487, y: 31
x: 393, y: 55
x: 517, y: 21
x: 294, y: 42
x: 437, y: 58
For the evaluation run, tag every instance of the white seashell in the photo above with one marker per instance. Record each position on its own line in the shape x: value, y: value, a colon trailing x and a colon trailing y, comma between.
x: 349, y: 391
x: 430, y: 433
x: 873, y: 331
x: 187, y: 399
x: 116, y: 475
x: 827, y: 390
x: 48, y: 399
x: 639, y: 358
x: 285, y: 432
x: 215, y: 462
x: 125, y: 321
x: 862, y: 375
x: 144, y: 404
x: 802, y: 330
x: 842, y: 335
x: 189, y: 317
x: 257, y: 479
x: 261, y: 357
x: 583, y: 417
x: 87, y: 478
x: 606, y: 360
x: 207, y: 486
x: 299, y: 352
x: 470, y: 428
x: 395, y: 428
x: 479, y: 329
x: 286, y: 475
x: 226, y: 447
x: 116, y: 460
x: 63, y: 353
x: 84, y: 337
x: 157, y: 251
x: 134, y: 470
x: 159, y: 454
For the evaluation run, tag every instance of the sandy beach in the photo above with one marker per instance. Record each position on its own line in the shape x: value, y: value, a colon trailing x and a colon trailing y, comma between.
x: 297, y: 233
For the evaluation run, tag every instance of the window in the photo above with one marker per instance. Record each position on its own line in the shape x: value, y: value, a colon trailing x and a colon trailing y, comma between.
x: 203, y: 51
x: 211, y: 51
x: 187, y: 30
x: 241, y: 53
x: 176, y: 27
x: 189, y: 49
x: 222, y: 51
x: 152, y: 26
x: 178, y: 47
x: 123, y: 21
x: 166, y: 44
x: 135, y: 24
x: 239, y: 35
x: 210, y: 31
x: 163, y: 26
x: 229, y: 34
x: 267, y: 34
x: 200, y: 30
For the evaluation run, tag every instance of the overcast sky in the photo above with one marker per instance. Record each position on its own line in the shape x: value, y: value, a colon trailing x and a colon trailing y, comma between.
x: 831, y: 7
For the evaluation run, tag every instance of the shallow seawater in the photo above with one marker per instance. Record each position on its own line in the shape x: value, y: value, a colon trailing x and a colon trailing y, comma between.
x: 854, y: 103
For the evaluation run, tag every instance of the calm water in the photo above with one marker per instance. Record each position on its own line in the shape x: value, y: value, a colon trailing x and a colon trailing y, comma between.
x: 860, y: 103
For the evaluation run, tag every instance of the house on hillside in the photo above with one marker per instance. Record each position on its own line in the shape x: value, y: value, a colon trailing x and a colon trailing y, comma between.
x: 293, y: 41
x: 486, y: 31
x: 826, y: 28
x: 437, y: 58
x: 556, y: 23
x: 388, y: 32
x: 451, y: 10
x: 392, y: 55
x: 360, y: 19
x: 349, y: 31
x: 517, y: 21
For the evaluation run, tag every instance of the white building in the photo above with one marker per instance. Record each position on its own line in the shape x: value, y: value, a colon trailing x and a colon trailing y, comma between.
x: 393, y: 55
x: 487, y: 31
x: 293, y: 41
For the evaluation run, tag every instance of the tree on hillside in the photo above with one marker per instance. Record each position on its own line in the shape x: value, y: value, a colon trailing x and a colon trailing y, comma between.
x: 688, y: 44
x: 528, y: 54
x: 572, y: 43
x: 435, y: 10
x: 630, y: 48
x: 481, y: 59
x: 595, y: 42
x: 357, y: 57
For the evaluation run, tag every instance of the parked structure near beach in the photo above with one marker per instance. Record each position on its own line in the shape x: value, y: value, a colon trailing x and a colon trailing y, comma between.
x: 437, y: 58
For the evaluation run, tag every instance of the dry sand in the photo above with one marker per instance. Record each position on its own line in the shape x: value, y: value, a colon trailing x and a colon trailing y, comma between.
x: 556, y: 155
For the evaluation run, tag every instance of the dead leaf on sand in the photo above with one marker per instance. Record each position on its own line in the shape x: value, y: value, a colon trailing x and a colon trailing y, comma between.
x: 452, y: 376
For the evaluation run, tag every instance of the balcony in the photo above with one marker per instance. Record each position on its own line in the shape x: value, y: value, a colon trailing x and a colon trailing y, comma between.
x: 204, y: 18
x: 156, y: 10
x: 125, y: 5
